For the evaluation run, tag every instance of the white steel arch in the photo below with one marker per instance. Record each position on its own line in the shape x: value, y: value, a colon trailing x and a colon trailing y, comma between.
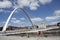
x: 5, y: 26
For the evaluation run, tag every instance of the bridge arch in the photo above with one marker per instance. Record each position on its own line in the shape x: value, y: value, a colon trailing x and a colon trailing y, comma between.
x: 8, y: 19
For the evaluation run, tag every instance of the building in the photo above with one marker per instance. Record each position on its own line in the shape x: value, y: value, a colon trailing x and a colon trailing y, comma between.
x: 42, y: 25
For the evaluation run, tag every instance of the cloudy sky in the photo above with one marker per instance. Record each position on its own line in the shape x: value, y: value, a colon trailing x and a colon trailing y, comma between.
x: 47, y: 11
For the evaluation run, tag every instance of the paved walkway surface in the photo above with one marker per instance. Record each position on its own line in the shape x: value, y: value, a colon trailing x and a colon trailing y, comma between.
x: 30, y: 38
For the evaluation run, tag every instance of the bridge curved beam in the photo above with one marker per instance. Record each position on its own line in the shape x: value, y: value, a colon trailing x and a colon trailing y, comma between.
x: 26, y: 13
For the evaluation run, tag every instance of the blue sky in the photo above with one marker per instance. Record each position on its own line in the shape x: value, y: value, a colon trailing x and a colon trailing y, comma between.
x: 46, y: 11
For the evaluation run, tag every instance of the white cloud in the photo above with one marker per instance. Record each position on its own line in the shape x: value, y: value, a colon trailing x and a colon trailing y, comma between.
x: 23, y: 3
x: 55, y: 16
x: 54, y: 22
x: 3, y: 23
x: 22, y: 18
x: 57, y: 12
x: 16, y: 21
x: 51, y: 18
x: 45, y: 1
x: 36, y: 19
x: 13, y: 18
x: 5, y: 4
x: 32, y: 4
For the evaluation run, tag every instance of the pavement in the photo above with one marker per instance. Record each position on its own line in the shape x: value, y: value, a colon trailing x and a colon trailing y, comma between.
x: 30, y: 38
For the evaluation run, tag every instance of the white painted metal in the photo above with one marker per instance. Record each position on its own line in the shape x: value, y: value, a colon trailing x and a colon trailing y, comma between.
x: 5, y: 26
